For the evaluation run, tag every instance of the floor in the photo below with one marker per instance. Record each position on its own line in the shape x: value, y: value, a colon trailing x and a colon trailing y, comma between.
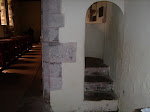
x: 21, y: 84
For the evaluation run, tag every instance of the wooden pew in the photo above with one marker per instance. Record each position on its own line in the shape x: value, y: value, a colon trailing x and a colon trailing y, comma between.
x: 4, y: 52
x: 12, y: 47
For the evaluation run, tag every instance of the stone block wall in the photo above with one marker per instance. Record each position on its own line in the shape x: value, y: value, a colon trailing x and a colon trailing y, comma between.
x: 54, y: 53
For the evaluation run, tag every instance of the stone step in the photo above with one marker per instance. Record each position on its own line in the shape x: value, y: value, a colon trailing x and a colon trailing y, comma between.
x: 100, y: 106
x: 97, y: 78
x: 99, y: 96
x: 98, y: 86
x: 100, y: 111
x: 98, y: 93
x: 102, y: 71
x: 93, y: 62
x: 98, y: 83
x: 99, y: 103
x: 95, y: 66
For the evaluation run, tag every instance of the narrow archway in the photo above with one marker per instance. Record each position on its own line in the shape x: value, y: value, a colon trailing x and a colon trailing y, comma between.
x: 103, y: 47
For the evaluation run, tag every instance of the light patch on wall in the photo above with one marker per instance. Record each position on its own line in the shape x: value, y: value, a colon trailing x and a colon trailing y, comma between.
x: 3, y: 13
x: 10, y: 13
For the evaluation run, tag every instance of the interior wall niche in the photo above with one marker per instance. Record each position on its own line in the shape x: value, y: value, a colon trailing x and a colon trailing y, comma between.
x: 101, y: 11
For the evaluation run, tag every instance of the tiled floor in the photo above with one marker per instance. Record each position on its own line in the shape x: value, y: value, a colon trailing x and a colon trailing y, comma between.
x: 21, y: 82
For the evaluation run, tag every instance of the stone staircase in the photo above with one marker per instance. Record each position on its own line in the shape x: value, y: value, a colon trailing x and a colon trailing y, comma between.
x: 98, y: 86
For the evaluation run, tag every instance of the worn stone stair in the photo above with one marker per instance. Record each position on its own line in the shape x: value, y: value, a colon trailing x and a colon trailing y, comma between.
x: 98, y: 83
x: 98, y: 86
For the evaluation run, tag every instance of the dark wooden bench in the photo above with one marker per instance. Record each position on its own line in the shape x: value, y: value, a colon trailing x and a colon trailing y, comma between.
x: 12, y: 47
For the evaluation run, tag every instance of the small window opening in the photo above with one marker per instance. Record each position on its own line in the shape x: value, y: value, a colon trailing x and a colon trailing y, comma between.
x: 3, y: 13
x: 101, y: 11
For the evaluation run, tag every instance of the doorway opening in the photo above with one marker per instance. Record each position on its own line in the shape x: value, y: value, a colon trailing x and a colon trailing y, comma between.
x: 103, y: 47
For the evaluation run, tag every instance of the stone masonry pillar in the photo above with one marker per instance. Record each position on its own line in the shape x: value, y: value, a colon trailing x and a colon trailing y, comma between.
x: 54, y: 53
x: 52, y: 20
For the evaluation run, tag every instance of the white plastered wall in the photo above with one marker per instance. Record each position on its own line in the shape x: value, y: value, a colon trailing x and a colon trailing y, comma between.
x: 114, y: 38
x: 135, y: 80
x: 94, y: 40
x: 70, y: 97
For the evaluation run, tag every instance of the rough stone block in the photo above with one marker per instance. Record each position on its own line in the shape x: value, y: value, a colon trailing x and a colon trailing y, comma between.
x: 50, y: 34
x: 55, y: 83
x: 52, y: 77
x: 46, y: 70
x: 52, y: 69
x: 45, y: 53
x: 64, y: 52
x: 52, y: 20
x: 46, y: 82
x: 52, y: 6
x: 55, y: 70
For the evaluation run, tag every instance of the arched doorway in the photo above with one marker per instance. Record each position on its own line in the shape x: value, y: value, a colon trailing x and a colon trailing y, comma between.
x: 103, y: 49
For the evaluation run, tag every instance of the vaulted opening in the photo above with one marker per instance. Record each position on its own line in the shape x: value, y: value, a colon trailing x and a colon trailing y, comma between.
x: 103, y: 47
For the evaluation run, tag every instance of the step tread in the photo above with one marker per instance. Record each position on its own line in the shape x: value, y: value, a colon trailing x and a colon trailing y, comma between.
x: 98, y: 96
x: 97, y: 78
x: 98, y: 86
x: 96, y: 65
x: 97, y: 71
x: 94, y: 62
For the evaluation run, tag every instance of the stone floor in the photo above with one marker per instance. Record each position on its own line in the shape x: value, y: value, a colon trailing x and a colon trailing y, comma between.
x: 33, y: 101
x: 21, y: 86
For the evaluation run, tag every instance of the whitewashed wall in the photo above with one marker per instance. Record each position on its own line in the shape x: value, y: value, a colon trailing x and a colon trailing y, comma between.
x: 135, y: 77
x: 114, y: 37
x: 94, y: 40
